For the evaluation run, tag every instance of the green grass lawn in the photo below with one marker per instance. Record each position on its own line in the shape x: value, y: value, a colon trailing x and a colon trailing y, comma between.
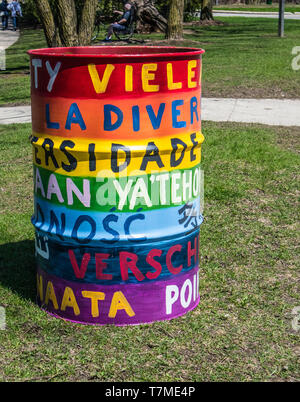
x: 15, y: 81
x: 249, y: 276
x: 244, y: 58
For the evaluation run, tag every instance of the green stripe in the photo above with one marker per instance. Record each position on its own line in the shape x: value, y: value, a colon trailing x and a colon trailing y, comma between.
x: 152, y: 191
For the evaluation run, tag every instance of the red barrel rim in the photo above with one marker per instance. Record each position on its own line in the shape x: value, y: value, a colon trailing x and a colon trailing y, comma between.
x: 101, y: 52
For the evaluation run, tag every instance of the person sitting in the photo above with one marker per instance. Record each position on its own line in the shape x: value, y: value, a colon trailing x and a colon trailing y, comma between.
x: 120, y: 25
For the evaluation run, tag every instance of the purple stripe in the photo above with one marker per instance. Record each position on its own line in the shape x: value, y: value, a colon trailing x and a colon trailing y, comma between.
x: 122, y: 304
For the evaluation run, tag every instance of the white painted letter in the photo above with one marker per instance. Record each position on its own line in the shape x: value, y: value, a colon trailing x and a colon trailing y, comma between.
x: 52, y: 74
x: 186, y: 302
x: 36, y: 64
x: 84, y: 197
x: 53, y: 188
x: 140, y: 191
x: 162, y: 179
x: 175, y: 187
x: 296, y: 60
x: 172, y: 294
x: 38, y: 182
x: 187, y: 185
x: 122, y: 193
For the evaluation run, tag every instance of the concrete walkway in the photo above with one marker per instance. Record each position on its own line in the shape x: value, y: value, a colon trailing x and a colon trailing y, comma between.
x: 15, y: 114
x: 8, y: 37
x: 251, y: 14
x: 274, y: 112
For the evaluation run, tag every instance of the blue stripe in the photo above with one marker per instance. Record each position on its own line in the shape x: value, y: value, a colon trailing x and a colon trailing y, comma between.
x: 115, y: 228
x: 152, y: 261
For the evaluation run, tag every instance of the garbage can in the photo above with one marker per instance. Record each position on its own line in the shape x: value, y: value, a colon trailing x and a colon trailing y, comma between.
x: 116, y: 136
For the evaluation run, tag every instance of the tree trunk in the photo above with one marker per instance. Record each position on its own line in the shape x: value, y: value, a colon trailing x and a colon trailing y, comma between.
x: 148, y: 17
x: 64, y: 25
x: 47, y: 20
x: 85, y: 27
x: 67, y: 20
x: 206, y: 10
x: 175, y: 20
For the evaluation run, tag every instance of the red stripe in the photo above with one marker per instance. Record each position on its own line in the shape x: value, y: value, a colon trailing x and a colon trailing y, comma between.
x: 73, y: 79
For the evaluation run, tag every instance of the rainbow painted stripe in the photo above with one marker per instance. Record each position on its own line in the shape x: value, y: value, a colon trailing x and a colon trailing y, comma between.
x: 122, y: 304
x: 107, y: 158
x: 106, y: 194
x: 117, y: 180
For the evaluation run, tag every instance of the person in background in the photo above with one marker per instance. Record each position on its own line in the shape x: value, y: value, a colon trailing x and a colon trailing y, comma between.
x: 120, y: 25
x: 16, y: 11
x: 4, y: 14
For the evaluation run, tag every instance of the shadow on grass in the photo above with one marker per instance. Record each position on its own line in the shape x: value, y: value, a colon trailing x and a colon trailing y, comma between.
x: 18, y: 269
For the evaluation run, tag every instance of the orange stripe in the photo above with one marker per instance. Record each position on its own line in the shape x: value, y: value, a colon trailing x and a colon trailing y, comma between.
x: 92, y: 112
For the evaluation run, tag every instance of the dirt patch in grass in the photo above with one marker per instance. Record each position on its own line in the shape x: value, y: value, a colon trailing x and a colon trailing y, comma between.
x: 215, y: 90
x: 25, y: 102
x: 206, y: 23
x: 289, y: 138
x: 188, y: 32
x: 173, y: 42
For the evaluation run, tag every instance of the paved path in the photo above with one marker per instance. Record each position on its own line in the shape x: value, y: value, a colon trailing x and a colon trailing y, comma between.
x: 15, y: 114
x: 8, y: 37
x: 274, y: 112
x: 251, y: 14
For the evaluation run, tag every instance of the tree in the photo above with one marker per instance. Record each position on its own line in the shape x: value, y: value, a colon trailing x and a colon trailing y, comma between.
x: 67, y: 22
x: 148, y: 17
x: 206, y: 6
x: 175, y: 20
x: 206, y: 10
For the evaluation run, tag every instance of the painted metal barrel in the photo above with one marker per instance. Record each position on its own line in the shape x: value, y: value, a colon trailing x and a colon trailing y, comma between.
x: 116, y: 159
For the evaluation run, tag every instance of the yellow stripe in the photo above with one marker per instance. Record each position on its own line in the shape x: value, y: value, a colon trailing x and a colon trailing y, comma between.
x: 102, y: 153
